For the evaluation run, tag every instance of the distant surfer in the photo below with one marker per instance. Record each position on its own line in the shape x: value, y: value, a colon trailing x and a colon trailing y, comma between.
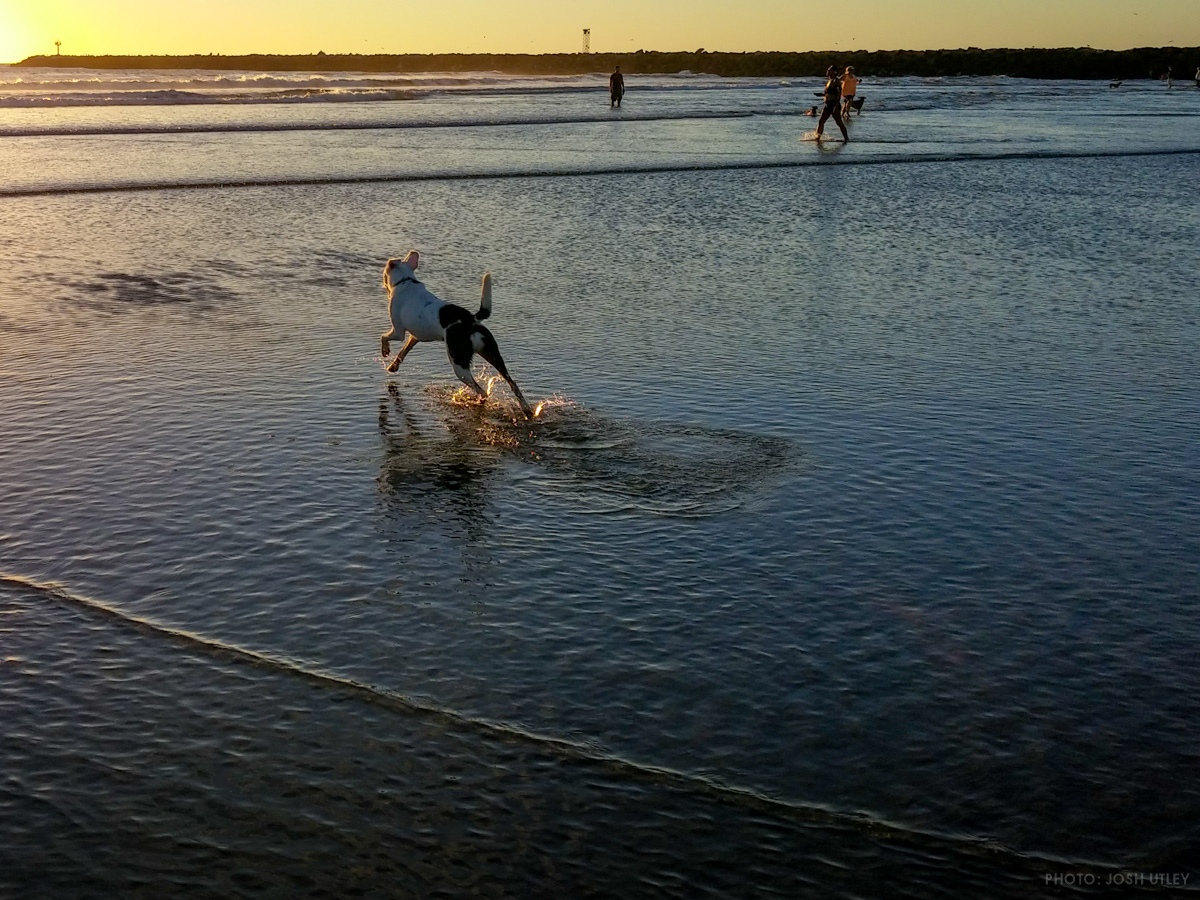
x: 616, y: 88
x: 833, y: 103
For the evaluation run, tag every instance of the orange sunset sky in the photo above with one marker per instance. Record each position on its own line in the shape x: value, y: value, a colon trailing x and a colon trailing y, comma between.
x: 554, y: 26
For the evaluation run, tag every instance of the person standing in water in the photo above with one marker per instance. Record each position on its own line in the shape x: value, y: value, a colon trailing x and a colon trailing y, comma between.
x: 833, y: 103
x: 616, y: 88
x: 849, y: 88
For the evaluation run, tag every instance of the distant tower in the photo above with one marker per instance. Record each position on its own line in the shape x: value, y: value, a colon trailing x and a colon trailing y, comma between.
x: 587, y: 40
x: 58, y: 46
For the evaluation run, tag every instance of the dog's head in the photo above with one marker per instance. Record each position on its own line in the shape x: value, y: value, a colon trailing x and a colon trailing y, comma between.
x: 396, y: 269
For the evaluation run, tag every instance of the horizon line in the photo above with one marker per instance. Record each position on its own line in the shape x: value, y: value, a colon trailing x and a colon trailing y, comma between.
x: 638, y: 52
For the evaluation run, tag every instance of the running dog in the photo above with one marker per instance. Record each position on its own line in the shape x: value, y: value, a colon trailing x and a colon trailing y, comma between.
x: 417, y: 315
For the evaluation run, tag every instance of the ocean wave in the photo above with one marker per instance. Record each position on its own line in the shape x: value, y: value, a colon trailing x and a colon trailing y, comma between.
x: 153, y: 79
x: 174, y: 97
x: 569, y: 746
x: 28, y: 98
x: 649, y: 169
x: 194, y: 87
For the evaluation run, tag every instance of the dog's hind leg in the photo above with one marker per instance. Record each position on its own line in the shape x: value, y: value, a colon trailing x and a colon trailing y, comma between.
x: 483, y: 341
x: 460, y: 350
x: 409, y: 343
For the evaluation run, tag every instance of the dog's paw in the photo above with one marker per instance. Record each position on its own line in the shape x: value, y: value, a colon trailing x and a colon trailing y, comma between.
x: 393, y: 366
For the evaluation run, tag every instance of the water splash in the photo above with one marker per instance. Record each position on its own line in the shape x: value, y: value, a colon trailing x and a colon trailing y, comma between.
x: 613, y: 465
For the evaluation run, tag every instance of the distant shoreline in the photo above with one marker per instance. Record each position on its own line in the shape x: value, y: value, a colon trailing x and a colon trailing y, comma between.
x: 1077, y: 63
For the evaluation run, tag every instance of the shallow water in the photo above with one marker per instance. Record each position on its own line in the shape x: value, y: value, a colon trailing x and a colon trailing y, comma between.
x: 853, y: 553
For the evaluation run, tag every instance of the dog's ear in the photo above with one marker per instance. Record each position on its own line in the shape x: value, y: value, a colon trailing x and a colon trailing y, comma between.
x: 412, y: 260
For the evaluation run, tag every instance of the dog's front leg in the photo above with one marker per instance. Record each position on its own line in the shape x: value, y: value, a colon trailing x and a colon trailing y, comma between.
x: 385, y: 342
x: 408, y: 344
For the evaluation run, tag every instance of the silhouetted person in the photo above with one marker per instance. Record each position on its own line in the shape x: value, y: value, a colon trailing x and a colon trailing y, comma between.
x: 616, y: 88
x: 833, y: 103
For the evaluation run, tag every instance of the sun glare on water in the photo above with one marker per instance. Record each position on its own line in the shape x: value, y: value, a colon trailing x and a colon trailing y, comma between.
x: 465, y: 397
x: 491, y: 383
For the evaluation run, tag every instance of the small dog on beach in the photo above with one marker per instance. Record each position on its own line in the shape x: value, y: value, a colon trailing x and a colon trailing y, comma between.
x: 417, y: 315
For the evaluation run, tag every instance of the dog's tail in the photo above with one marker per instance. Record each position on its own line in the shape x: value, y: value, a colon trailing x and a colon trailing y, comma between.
x: 485, y: 298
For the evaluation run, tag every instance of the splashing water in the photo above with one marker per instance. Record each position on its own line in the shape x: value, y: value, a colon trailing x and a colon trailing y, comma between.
x: 607, y: 464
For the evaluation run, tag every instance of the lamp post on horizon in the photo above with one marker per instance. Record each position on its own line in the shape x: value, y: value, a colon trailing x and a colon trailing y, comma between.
x: 58, y: 47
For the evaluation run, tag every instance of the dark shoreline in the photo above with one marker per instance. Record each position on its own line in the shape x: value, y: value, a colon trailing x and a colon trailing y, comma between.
x: 1076, y: 63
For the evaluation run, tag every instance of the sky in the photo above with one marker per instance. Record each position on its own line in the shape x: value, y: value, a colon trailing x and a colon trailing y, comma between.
x: 148, y: 27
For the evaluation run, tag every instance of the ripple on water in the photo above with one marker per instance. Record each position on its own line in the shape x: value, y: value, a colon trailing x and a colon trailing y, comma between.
x: 604, y: 463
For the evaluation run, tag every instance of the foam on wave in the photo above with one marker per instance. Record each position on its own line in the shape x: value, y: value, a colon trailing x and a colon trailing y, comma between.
x: 651, y: 169
x: 569, y: 747
x: 69, y: 89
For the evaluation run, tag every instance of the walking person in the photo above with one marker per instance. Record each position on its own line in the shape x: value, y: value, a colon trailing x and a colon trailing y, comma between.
x: 833, y: 103
x: 849, y: 88
x: 616, y: 88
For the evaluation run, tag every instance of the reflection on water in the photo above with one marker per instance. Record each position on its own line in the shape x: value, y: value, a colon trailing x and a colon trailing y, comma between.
x: 436, y: 476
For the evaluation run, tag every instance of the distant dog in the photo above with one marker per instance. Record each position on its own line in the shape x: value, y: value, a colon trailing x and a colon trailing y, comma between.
x: 417, y: 315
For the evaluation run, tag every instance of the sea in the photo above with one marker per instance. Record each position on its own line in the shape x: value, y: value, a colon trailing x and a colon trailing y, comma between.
x: 853, y: 552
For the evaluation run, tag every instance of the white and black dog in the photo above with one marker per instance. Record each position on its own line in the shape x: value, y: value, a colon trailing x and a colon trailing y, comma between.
x: 417, y: 315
